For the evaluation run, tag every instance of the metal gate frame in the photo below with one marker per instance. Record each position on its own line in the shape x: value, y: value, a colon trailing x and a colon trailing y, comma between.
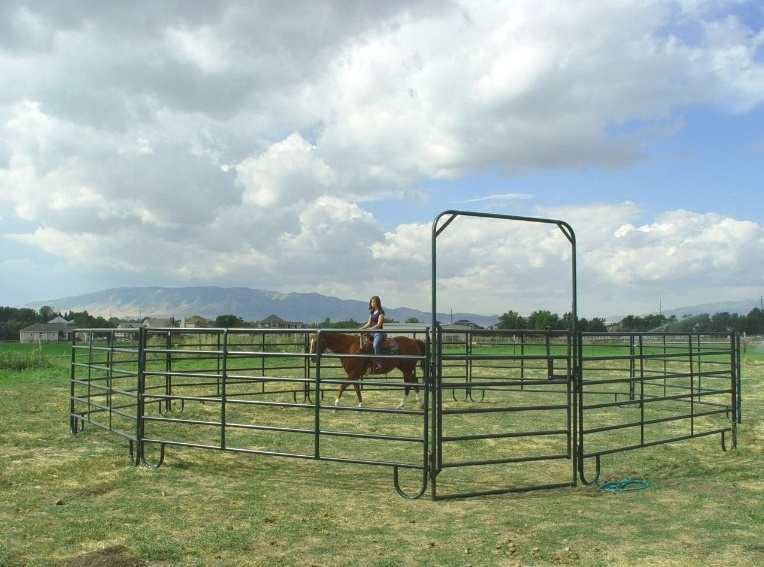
x: 439, y: 225
x: 693, y: 379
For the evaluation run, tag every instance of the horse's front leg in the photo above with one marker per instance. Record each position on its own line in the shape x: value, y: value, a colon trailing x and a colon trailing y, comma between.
x: 339, y: 394
x: 343, y: 387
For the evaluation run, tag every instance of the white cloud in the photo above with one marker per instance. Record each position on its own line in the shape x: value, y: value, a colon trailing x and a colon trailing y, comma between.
x: 266, y: 146
x: 500, y: 264
x: 680, y: 257
x: 287, y: 171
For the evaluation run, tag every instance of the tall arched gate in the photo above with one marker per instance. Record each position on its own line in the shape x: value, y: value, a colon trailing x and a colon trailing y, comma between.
x: 503, y: 410
x: 517, y: 416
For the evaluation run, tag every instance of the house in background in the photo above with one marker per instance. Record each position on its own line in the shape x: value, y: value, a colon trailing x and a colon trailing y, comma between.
x: 159, y: 323
x: 458, y: 332
x: 123, y: 328
x: 196, y: 322
x: 57, y: 330
x: 274, y: 322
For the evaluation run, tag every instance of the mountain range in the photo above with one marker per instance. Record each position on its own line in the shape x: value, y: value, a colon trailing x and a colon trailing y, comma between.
x: 740, y: 307
x: 249, y: 304
x: 309, y: 308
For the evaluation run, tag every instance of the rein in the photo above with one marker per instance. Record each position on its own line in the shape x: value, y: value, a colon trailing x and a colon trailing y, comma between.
x: 347, y: 345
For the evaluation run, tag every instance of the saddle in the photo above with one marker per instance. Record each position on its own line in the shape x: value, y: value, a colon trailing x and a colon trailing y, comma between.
x: 389, y: 345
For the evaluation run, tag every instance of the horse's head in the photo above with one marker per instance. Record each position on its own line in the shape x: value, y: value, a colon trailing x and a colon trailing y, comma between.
x: 336, y: 342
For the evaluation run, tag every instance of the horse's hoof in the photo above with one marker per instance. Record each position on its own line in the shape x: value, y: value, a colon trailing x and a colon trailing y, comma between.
x: 360, y: 405
x: 399, y: 406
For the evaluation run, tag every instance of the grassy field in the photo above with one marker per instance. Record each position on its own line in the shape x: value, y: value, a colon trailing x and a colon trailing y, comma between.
x: 75, y: 500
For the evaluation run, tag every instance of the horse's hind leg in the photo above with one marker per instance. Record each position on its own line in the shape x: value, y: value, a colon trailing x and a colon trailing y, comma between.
x: 405, y: 397
x: 419, y: 403
x: 409, y: 378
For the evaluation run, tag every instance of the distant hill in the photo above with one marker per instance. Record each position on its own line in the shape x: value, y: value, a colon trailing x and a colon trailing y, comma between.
x: 739, y: 307
x: 743, y: 307
x: 249, y: 304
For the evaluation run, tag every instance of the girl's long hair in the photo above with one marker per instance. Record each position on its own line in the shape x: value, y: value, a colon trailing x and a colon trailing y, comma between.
x: 371, y: 302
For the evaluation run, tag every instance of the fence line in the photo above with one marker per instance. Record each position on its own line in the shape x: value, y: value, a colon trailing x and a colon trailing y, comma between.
x: 505, y: 411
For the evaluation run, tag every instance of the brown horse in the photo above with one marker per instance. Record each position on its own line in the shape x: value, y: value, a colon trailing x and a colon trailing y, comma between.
x: 357, y: 368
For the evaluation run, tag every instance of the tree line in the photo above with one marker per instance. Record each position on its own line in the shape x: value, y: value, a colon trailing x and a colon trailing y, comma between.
x: 723, y: 322
x: 13, y: 319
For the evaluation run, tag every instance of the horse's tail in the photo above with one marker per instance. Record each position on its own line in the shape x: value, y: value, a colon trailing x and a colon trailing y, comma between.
x: 421, y: 345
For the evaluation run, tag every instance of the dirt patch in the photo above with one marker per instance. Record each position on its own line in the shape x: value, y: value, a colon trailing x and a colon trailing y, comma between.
x: 565, y: 557
x: 95, y: 490
x: 115, y: 556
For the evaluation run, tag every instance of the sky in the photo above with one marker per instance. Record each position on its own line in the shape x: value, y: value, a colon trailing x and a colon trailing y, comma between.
x: 297, y: 146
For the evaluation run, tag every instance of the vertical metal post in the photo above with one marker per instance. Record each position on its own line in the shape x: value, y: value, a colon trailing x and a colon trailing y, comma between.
x: 223, y: 383
x: 436, y: 406
x: 317, y: 399
x: 140, y: 393
x: 73, y: 426
x: 167, y: 368
x: 735, y: 384
x: 576, y: 353
x: 692, y: 377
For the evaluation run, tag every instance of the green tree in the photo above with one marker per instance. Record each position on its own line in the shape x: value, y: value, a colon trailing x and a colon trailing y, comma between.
x: 754, y: 322
x: 511, y: 320
x: 229, y: 321
x: 47, y: 313
x: 597, y: 325
x: 13, y: 319
x: 85, y: 320
x: 583, y: 324
x: 654, y: 321
x: 720, y: 321
x: 346, y: 324
x: 543, y: 319
x: 702, y: 323
x: 634, y: 324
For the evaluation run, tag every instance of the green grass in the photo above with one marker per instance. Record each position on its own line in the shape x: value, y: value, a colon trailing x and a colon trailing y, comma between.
x: 29, y: 356
x: 63, y: 496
